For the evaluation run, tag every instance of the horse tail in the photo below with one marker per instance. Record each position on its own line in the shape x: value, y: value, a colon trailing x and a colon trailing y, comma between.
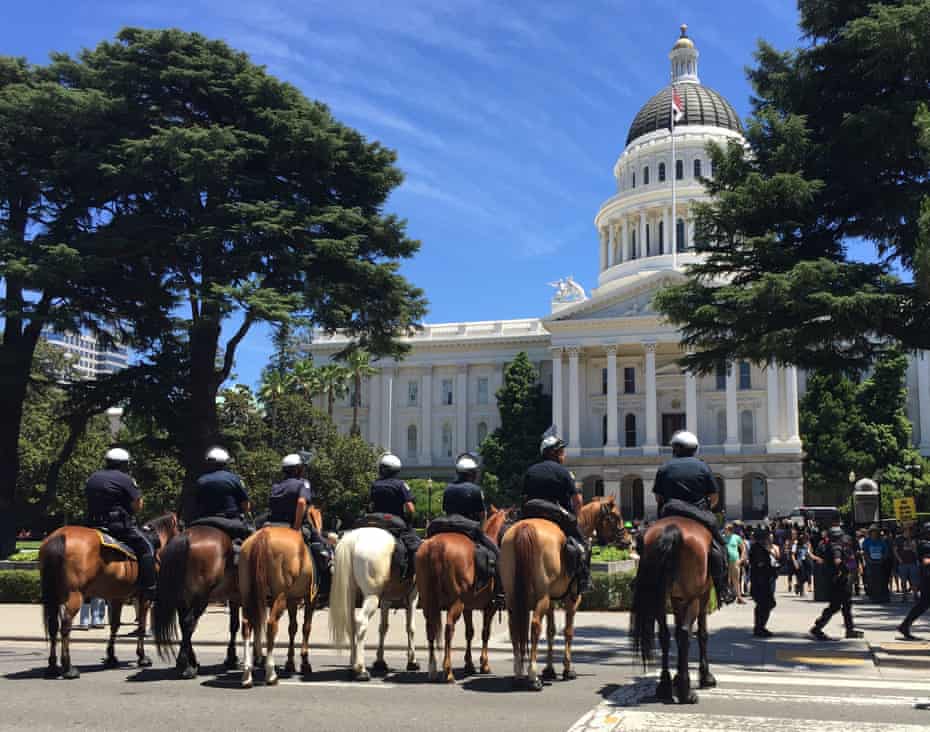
x: 343, y: 591
x: 526, y: 560
x: 254, y: 584
x: 658, y: 569
x: 172, y: 581
x: 51, y: 571
x: 430, y: 561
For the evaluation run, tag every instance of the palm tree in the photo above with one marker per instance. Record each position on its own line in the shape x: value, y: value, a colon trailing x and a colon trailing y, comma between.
x: 274, y: 386
x: 333, y: 383
x: 306, y: 378
x: 358, y: 365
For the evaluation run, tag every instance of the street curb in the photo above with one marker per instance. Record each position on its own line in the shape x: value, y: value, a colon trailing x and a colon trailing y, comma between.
x: 906, y: 661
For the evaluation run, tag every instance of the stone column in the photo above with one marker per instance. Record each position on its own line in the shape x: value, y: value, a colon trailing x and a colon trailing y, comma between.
x: 792, y: 435
x: 387, y: 397
x: 731, y: 446
x: 611, y: 243
x: 691, y: 407
x: 651, y: 446
x: 602, y: 236
x: 773, y: 407
x: 426, y: 416
x: 733, y: 490
x: 650, y: 507
x: 574, y: 406
x: 374, y: 409
x: 641, y: 237
x: 624, y: 239
x: 923, y: 399
x: 461, y: 408
x: 667, y: 230
x: 612, y: 447
x: 557, y: 391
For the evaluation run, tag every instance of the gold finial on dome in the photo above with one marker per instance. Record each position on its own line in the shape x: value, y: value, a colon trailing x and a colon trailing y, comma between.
x: 684, y: 30
x: 683, y: 41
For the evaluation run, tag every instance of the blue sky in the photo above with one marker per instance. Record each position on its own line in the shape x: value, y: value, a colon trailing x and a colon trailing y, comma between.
x: 507, y: 116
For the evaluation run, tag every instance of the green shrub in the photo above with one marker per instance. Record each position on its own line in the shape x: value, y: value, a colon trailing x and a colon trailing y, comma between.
x: 26, y: 555
x: 609, y: 554
x: 609, y: 592
x: 20, y: 585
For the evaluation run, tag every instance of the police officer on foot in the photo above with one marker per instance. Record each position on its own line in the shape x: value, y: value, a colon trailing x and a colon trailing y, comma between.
x: 923, y: 567
x: 837, y: 573
x: 550, y: 480
x: 763, y: 562
x: 685, y: 486
x: 113, y: 501
x: 465, y: 498
x: 391, y: 495
x: 221, y: 496
x: 289, y: 503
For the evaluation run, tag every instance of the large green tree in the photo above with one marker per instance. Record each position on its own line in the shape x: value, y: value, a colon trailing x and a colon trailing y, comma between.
x: 836, y: 153
x: 256, y: 205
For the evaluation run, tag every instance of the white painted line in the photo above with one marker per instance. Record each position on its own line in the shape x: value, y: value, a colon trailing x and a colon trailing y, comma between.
x: 794, y: 678
x: 340, y: 684
x: 632, y: 721
x: 773, y: 697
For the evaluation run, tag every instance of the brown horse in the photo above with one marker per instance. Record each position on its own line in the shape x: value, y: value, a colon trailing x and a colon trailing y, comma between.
x: 673, y: 567
x: 196, y: 569
x: 446, y: 581
x: 534, y: 574
x: 276, y: 571
x: 74, y: 564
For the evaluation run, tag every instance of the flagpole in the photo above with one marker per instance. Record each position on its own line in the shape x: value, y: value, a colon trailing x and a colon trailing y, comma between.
x: 674, y: 172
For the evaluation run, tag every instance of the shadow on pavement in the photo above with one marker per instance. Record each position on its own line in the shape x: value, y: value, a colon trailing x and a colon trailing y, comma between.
x: 169, y: 673
x: 39, y: 672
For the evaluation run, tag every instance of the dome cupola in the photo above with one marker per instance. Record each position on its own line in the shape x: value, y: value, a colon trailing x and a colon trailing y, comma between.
x: 684, y: 58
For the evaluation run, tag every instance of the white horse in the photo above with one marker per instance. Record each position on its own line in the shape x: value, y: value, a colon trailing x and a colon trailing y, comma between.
x: 363, y: 568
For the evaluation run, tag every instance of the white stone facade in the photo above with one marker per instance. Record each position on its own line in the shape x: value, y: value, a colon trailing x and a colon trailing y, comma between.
x: 609, y: 362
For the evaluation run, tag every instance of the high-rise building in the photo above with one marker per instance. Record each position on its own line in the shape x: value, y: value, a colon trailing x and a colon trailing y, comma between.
x: 88, y: 356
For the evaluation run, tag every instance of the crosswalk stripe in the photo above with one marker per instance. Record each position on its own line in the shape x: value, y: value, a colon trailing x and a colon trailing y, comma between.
x: 783, y: 678
x: 633, y: 721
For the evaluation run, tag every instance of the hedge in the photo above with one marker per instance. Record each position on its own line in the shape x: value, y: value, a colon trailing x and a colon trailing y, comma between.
x: 609, y: 592
x: 20, y: 585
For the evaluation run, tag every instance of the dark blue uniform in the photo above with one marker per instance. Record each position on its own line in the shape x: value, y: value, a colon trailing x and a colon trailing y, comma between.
x: 686, y: 479
x: 388, y: 495
x: 550, y: 481
x: 284, y: 497
x: 840, y: 596
x: 220, y: 493
x: 923, y: 603
x: 110, y: 495
x: 464, y: 498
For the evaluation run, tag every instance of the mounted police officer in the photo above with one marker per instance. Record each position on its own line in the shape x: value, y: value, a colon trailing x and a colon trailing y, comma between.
x: 685, y: 486
x: 464, y: 498
x: 288, y: 504
x: 549, y: 480
x: 221, y: 498
x: 391, y: 495
x: 113, y: 500
x: 923, y: 567
x: 837, y: 573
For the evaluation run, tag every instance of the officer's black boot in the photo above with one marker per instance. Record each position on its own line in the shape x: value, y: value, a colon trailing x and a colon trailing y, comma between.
x: 147, y: 576
x: 718, y: 567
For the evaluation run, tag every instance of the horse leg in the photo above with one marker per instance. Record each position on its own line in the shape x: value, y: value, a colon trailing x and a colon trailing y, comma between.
x: 469, y: 636
x: 664, y: 689
x: 71, y: 607
x: 116, y: 609
x: 532, y: 677
x: 231, y: 661
x: 186, y: 664
x: 362, y: 619
x: 548, y: 673
x: 271, y: 633
x: 568, y: 670
x: 247, y: 654
x: 682, y: 680
x: 142, y: 610
x: 291, y: 666
x: 305, y: 668
x: 411, y: 621
x: 380, y: 666
x: 488, y: 618
x: 452, y: 616
x: 519, y: 676
x: 707, y: 678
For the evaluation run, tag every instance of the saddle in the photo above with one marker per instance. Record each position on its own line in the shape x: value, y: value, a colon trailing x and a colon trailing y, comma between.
x: 395, y: 526
x: 677, y: 507
x: 234, y: 527
x: 574, y: 552
x: 110, y: 542
x: 485, y: 560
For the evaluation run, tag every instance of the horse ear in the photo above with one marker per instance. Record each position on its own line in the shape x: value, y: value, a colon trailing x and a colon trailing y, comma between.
x: 611, y: 500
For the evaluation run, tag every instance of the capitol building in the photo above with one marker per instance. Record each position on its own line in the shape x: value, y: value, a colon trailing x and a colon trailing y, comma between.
x: 607, y: 358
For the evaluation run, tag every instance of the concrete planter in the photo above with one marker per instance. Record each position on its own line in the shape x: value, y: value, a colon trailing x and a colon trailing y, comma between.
x: 622, y: 565
x: 5, y: 565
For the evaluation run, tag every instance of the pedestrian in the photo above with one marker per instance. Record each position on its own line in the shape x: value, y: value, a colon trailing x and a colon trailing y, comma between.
x: 93, y: 614
x: 763, y: 563
x: 876, y: 552
x: 734, y: 543
x: 800, y: 558
x: 905, y: 553
x: 921, y: 606
x: 840, y: 589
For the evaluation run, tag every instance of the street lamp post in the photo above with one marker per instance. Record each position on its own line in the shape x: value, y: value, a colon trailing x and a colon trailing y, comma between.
x: 429, y: 499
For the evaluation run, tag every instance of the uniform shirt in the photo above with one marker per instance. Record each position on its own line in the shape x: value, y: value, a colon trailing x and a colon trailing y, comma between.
x: 837, y: 550
x: 550, y: 481
x: 109, y: 489
x: 388, y: 495
x: 685, y: 478
x: 875, y: 549
x: 220, y: 493
x: 284, y: 497
x: 463, y: 498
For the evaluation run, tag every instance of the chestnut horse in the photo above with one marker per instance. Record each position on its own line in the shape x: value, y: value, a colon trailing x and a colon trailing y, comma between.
x: 673, y: 567
x: 276, y: 570
x: 446, y: 581
x: 196, y: 569
x: 74, y: 564
x: 534, y: 575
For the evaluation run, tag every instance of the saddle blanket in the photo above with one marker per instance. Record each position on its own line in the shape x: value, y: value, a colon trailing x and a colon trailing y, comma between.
x: 111, y: 543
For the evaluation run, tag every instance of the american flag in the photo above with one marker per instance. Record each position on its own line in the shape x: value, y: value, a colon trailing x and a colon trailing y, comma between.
x: 678, y: 107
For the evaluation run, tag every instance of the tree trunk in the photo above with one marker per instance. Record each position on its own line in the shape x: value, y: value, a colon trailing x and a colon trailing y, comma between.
x: 76, y: 425
x: 357, y: 398
x: 331, y: 397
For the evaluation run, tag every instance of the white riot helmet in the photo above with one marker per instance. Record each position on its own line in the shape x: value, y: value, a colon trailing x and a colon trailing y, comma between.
x: 291, y: 461
x: 389, y: 464
x: 217, y: 455
x: 117, y: 455
x: 551, y: 440
x: 685, y: 439
x: 466, y: 463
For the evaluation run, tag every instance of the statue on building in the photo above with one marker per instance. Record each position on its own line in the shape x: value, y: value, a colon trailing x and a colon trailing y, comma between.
x: 567, y: 291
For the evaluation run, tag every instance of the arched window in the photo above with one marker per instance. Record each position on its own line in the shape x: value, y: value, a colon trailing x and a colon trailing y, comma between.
x: 646, y: 176
x: 747, y: 428
x: 755, y: 497
x: 681, y: 243
x: 632, y: 504
x: 679, y: 170
x: 633, y: 252
x: 482, y: 432
x: 720, y: 374
x: 447, y: 440
x: 661, y: 237
x: 648, y: 246
x: 721, y: 493
x: 721, y: 427
x: 745, y: 375
x: 697, y: 167
x: 661, y: 172
x: 633, y: 180
x: 412, y: 441
x: 604, y: 430
x: 629, y: 428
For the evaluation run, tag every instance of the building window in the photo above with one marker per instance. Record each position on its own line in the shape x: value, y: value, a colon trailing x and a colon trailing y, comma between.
x: 648, y: 241
x: 747, y: 431
x: 629, y: 428
x: 482, y: 390
x: 721, y: 427
x: 633, y: 180
x: 661, y: 237
x: 603, y: 381
x: 447, y: 440
x: 681, y: 244
x: 721, y: 375
x: 629, y: 380
x: 447, y: 391
x: 661, y: 172
x: 745, y: 375
x: 697, y: 167
x: 412, y: 441
x: 413, y: 392
x: 633, y: 252
x: 679, y: 170
x: 482, y: 432
x: 646, y: 176
x: 604, y: 430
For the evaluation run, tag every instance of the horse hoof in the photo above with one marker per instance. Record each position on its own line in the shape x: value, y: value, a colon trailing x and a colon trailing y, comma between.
x: 52, y: 672
x: 470, y: 669
x: 247, y: 683
x: 569, y: 674
x: 290, y: 667
x: 664, y: 691
x: 111, y: 662
x: 71, y: 673
x: 450, y: 678
x: 548, y: 674
x: 305, y: 668
x: 535, y: 685
x: 189, y: 673
x: 145, y: 662
x: 231, y: 663
x: 379, y: 667
x: 691, y: 698
x: 485, y: 668
x: 413, y: 665
x: 362, y: 675
x: 708, y: 681
x: 272, y: 680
